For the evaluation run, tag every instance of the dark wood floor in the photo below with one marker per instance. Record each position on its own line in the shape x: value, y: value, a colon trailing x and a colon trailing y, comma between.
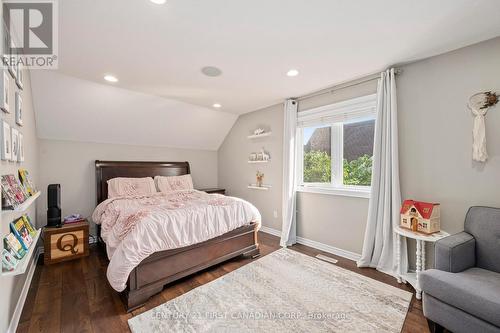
x: 75, y: 297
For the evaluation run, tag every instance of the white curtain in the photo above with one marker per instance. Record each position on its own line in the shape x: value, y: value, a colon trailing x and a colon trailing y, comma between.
x: 379, y: 247
x: 288, y: 228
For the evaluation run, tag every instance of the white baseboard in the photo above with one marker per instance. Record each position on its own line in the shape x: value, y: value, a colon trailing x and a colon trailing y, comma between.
x: 14, y: 321
x: 317, y: 245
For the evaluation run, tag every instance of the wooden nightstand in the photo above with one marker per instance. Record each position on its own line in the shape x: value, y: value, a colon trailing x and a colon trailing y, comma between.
x: 69, y: 242
x: 214, y: 190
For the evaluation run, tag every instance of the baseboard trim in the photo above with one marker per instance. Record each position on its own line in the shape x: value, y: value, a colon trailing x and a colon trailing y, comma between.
x: 317, y: 245
x: 14, y: 321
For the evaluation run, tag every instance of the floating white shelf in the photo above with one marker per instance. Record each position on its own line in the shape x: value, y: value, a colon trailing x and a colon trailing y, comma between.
x: 262, y: 188
x: 22, y: 265
x: 22, y: 207
x: 255, y: 136
x: 252, y: 162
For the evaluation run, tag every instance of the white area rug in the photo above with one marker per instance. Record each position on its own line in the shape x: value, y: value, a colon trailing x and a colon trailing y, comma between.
x: 285, y: 291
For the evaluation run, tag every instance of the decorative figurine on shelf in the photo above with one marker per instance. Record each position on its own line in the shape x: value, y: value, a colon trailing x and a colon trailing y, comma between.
x: 253, y: 157
x: 265, y: 156
x: 260, y: 178
x: 420, y: 216
x: 258, y: 131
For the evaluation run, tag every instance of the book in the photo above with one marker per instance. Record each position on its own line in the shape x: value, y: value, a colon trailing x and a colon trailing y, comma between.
x: 12, y: 244
x: 29, y: 225
x: 27, y: 182
x: 9, y: 261
x: 16, y: 187
x: 8, y: 195
x: 22, y: 233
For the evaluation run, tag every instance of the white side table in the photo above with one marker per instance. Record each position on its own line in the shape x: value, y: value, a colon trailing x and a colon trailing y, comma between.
x: 420, y: 238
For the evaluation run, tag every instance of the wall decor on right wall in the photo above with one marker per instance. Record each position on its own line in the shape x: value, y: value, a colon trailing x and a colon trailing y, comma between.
x: 19, y: 109
x: 6, y: 147
x: 4, y: 96
x: 479, y: 104
x: 19, y: 77
x: 20, y: 154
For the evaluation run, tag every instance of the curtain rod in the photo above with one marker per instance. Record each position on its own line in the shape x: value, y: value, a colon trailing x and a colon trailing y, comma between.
x: 353, y: 83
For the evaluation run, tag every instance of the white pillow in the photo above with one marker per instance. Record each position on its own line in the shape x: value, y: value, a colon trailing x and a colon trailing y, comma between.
x: 174, y: 183
x: 121, y: 186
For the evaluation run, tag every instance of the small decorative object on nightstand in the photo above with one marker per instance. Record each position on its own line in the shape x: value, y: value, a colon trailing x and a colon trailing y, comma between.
x: 420, y: 238
x: 71, y: 241
x: 420, y: 216
x: 214, y: 190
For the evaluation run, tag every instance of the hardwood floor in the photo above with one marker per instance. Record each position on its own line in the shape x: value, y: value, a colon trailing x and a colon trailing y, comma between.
x: 74, y: 296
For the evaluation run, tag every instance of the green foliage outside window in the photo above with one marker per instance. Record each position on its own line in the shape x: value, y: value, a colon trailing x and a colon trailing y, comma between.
x: 318, y: 169
x: 358, y: 171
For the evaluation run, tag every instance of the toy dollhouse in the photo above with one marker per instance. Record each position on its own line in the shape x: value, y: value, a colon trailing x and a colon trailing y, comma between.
x: 420, y: 216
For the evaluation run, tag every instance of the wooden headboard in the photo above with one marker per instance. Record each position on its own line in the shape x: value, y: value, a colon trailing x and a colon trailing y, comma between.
x: 106, y: 170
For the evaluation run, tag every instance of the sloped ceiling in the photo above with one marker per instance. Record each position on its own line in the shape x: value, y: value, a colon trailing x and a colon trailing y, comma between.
x: 68, y: 108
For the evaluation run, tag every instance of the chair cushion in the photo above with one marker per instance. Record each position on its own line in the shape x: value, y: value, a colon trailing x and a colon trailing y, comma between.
x: 484, y: 224
x: 475, y: 291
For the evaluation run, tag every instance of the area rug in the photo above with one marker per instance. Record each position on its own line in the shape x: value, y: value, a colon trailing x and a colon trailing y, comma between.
x: 285, y: 291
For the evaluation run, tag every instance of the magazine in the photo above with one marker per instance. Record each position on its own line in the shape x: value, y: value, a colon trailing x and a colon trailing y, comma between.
x: 16, y: 187
x: 8, y: 195
x: 27, y: 182
x: 29, y: 225
x: 9, y: 262
x: 13, y: 245
x: 22, y: 233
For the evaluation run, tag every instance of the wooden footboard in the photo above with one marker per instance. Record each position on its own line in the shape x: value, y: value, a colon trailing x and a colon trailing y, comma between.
x: 161, y: 268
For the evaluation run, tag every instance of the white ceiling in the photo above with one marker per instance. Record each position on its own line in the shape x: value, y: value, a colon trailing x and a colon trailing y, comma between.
x: 68, y: 108
x: 159, y: 49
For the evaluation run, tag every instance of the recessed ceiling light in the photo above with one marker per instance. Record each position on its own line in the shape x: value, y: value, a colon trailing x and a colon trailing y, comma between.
x: 216, y: 105
x: 211, y: 71
x: 158, y: 2
x: 292, y: 72
x: 110, y: 78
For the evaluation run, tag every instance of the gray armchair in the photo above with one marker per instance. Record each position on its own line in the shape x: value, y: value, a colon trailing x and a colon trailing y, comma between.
x: 462, y: 294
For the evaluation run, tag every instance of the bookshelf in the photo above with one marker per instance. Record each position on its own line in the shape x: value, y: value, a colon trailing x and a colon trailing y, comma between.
x: 22, y: 208
x: 261, y: 188
x: 23, y: 264
x: 256, y: 136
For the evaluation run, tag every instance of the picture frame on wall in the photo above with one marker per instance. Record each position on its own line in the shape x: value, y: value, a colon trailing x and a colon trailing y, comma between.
x: 6, y: 146
x: 19, y: 109
x: 19, y: 76
x: 15, y: 144
x: 4, y: 96
x: 20, y: 154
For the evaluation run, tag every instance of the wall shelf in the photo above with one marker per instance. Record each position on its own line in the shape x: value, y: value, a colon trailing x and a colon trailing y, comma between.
x: 22, y: 207
x: 252, y: 162
x: 261, y: 188
x: 255, y: 136
x: 22, y: 265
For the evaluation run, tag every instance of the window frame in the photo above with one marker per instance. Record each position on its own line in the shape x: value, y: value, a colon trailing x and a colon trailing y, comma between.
x: 365, y: 106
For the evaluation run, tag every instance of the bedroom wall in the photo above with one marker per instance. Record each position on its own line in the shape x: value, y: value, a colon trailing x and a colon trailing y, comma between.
x: 71, y: 164
x: 12, y: 286
x: 435, y: 149
x: 333, y: 220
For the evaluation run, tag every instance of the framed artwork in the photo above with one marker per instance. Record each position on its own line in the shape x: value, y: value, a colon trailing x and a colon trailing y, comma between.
x: 20, y: 154
x: 19, y: 109
x: 15, y: 144
x: 6, y: 147
x: 19, y: 77
x: 4, y: 92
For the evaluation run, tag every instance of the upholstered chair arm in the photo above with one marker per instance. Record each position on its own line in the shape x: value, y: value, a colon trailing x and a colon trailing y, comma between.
x: 455, y: 253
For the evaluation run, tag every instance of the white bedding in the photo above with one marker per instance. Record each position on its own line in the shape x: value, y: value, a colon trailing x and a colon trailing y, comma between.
x: 135, y: 227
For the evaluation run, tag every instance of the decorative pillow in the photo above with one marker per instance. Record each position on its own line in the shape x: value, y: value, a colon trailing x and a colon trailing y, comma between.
x: 174, y: 183
x: 130, y: 186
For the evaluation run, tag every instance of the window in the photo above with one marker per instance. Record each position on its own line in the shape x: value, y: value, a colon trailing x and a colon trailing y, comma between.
x: 335, y: 149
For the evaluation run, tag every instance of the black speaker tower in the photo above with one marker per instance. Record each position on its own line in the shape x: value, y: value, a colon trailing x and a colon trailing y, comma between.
x: 54, y: 206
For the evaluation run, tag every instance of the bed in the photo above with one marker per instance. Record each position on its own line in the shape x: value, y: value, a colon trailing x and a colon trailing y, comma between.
x: 160, y: 268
